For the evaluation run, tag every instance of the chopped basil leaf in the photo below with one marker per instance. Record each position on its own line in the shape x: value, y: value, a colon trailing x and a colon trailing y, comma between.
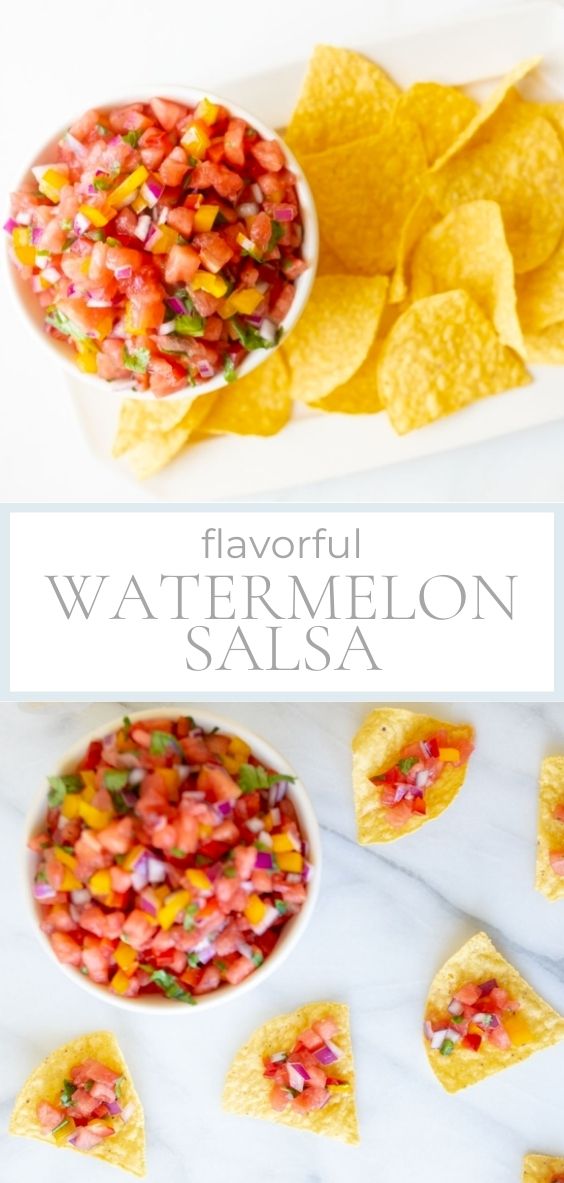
x: 229, y: 369
x: 67, y: 1092
x: 161, y: 741
x: 407, y: 763
x: 189, y: 913
x: 248, y: 336
x: 68, y: 243
x: 136, y: 359
x: 253, y: 776
x: 220, y: 965
x: 41, y: 877
x: 281, y: 907
x: 62, y: 323
x: 103, y: 182
x: 229, y: 871
x: 112, y: 241
x: 169, y: 985
x: 176, y: 852
x: 59, y: 786
x: 115, y: 779
x: 126, y: 724
x: 447, y: 1047
x: 193, y: 960
x: 189, y: 326
x: 276, y: 235
x: 257, y: 958
x: 132, y: 138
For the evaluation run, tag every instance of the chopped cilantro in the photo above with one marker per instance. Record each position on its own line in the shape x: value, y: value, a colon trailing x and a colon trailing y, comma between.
x: 176, y: 852
x: 62, y: 323
x: 257, y: 958
x: 275, y: 236
x: 115, y: 779
x: 253, y: 776
x: 248, y: 335
x: 161, y: 741
x: 132, y: 138
x: 169, y: 984
x: 281, y: 907
x: 102, y: 182
x: 102, y: 129
x: 407, y: 763
x: 136, y: 359
x: 189, y: 913
x: 229, y: 369
x: 67, y: 1092
x: 229, y: 871
x: 59, y: 786
x: 220, y: 965
x: 193, y: 960
x: 190, y: 325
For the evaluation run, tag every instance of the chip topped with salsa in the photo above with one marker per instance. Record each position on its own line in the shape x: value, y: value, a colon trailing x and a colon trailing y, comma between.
x: 407, y: 768
x: 481, y: 1016
x: 543, y: 1168
x: 298, y: 1069
x: 550, y: 841
x: 82, y: 1098
x: 170, y: 860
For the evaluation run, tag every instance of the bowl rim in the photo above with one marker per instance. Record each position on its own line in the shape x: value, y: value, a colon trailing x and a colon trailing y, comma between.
x: 293, y: 930
x: 21, y: 293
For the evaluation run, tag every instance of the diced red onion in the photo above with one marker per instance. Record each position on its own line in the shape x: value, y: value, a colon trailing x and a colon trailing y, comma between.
x: 295, y: 1079
x: 327, y: 1054
x: 485, y: 1019
x: 248, y: 209
x: 245, y: 950
x: 163, y: 215
x: 80, y: 896
x: 176, y: 305
x: 143, y: 226
x: 284, y: 213
x: 123, y: 272
x: 152, y: 236
x: 51, y: 275
x: 268, y: 330
x: 428, y: 1030
x: 136, y: 776
x: 399, y: 793
x: 254, y: 824
x: 151, y: 191
x: 487, y: 987
x: 205, y: 369
x: 24, y: 217
x: 43, y: 891
x: 225, y: 808
x: 302, y: 1071
x: 42, y: 261
x: 81, y: 223
x: 140, y: 872
x: 293, y: 877
x: 265, y: 838
x: 119, y: 331
x: 75, y: 145
x: 255, y: 321
x: 275, y: 816
x: 267, y: 921
x: 307, y: 872
x: 182, y: 771
x: 263, y: 861
x: 206, y: 954
x: 114, y: 1107
x: 455, y: 1008
x: 438, y: 1038
x: 156, y: 869
x: 147, y: 905
x: 128, y: 1111
x: 36, y: 235
x: 98, y: 303
x: 422, y: 778
x: 166, y: 328
x: 130, y: 798
x: 257, y: 192
x: 278, y: 1058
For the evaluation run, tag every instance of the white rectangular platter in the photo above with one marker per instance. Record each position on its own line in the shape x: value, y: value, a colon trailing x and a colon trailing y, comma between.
x: 317, y: 446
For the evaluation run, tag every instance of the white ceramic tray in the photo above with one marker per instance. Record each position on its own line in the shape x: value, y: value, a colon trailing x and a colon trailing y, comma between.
x: 315, y: 446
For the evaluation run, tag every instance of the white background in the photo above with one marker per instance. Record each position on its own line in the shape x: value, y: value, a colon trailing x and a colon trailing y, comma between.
x: 59, y: 59
x: 49, y: 653
x: 386, y: 919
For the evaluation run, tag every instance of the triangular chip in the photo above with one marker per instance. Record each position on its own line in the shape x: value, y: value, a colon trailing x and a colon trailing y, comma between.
x: 363, y: 193
x: 440, y: 112
x: 546, y: 348
x: 488, y: 109
x: 257, y: 404
x: 518, y: 161
x: 441, y: 355
x: 550, y: 839
x: 126, y: 1147
x: 421, y: 217
x: 377, y: 747
x: 155, y: 449
x: 540, y: 294
x: 543, y: 1168
x: 139, y: 418
x: 248, y: 1092
x: 554, y: 112
x: 334, y: 334
x: 469, y: 250
x: 359, y: 396
x: 539, y: 1026
x: 344, y: 97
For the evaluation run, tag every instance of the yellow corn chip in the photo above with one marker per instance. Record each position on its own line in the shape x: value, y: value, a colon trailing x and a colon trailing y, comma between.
x: 547, y: 347
x: 441, y: 355
x: 328, y: 263
x: 554, y: 112
x: 140, y: 418
x: 247, y: 1090
x: 334, y: 334
x: 421, y: 217
x: 257, y: 404
x: 344, y: 97
x: 550, y: 838
x: 364, y: 191
x: 376, y: 747
x: 126, y: 1148
x: 540, y: 293
x: 478, y: 961
x: 359, y: 396
x: 468, y: 250
x: 440, y: 112
x: 490, y: 107
x: 518, y: 161
x: 155, y: 450
x: 542, y: 1168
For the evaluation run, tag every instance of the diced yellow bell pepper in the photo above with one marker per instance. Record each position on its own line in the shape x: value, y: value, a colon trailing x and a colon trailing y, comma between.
x: 71, y: 806
x: 204, y: 831
x: 126, y: 957
x: 204, y: 281
x: 139, y: 204
x: 517, y: 1029
x: 63, y: 856
x: 131, y: 858
x: 100, y: 883
x: 282, y: 843
x: 292, y: 863
x: 88, y: 778
x: 255, y: 909
x: 23, y: 250
x: 204, y: 217
x: 198, y: 879
x: 246, y: 301
x: 51, y: 184
x: 120, y: 982
x: 172, y: 906
x: 449, y: 755
x: 196, y: 139
x: 98, y: 217
x: 207, y: 111
x: 70, y: 882
x: 167, y: 238
x: 127, y: 187
x: 171, y: 780
x: 97, y: 819
x: 86, y: 357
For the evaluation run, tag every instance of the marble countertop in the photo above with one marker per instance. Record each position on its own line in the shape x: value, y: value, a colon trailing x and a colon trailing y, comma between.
x: 386, y: 919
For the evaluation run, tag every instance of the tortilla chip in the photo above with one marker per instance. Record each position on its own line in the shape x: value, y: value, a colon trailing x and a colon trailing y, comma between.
x: 518, y: 161
x: 359, y: 396
x: 376, y: 747
x: 421, y: 217
x: 441, y: 355
x: 547, y: 347
x: 328, y: 263
x: 440, y: 112
x: 469, y: 250
x: 477, y: 961
x: 247, y: 1091
x: 488, y: 109
x: 344, y: 97
x: 540, y: 293
x: 154, y: 450
x: 334, y: 334
x: 550, y: 832
x: 364, y: 191
x: 257, y: 404
x: 554, y: 112
x: 139, y: 418
x: 125, y: 1149
x: 541, y: 1168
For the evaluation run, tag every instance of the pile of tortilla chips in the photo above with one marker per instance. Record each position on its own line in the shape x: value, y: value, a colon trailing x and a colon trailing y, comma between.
x: 126, y: 1148
x: 542, y: 1168
x: 478, y: 961
x: 441, y: 266
x: 550, y: 831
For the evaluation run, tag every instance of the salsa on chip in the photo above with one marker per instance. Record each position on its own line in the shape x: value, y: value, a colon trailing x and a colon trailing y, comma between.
x: 542, y: 1168
x: 550, y: 841
x: 170, y: 861
x: 298, y: 1069
x: 82, y: 1098
x: 481, y: 1016
x: 407, y: 768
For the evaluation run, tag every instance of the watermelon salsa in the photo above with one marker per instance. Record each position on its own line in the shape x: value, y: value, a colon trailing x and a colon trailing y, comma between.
x: 305, y: 1078
x: 417, y: 769
x: 163, y: 242
x: 87, y: 1109
x: 478, y: 1013
x: 557, y: 856
x: 170, y: 861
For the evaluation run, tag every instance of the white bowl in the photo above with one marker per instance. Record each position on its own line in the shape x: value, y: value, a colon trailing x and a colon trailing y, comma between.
x: 27, y: 301
x: 292, y: 931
